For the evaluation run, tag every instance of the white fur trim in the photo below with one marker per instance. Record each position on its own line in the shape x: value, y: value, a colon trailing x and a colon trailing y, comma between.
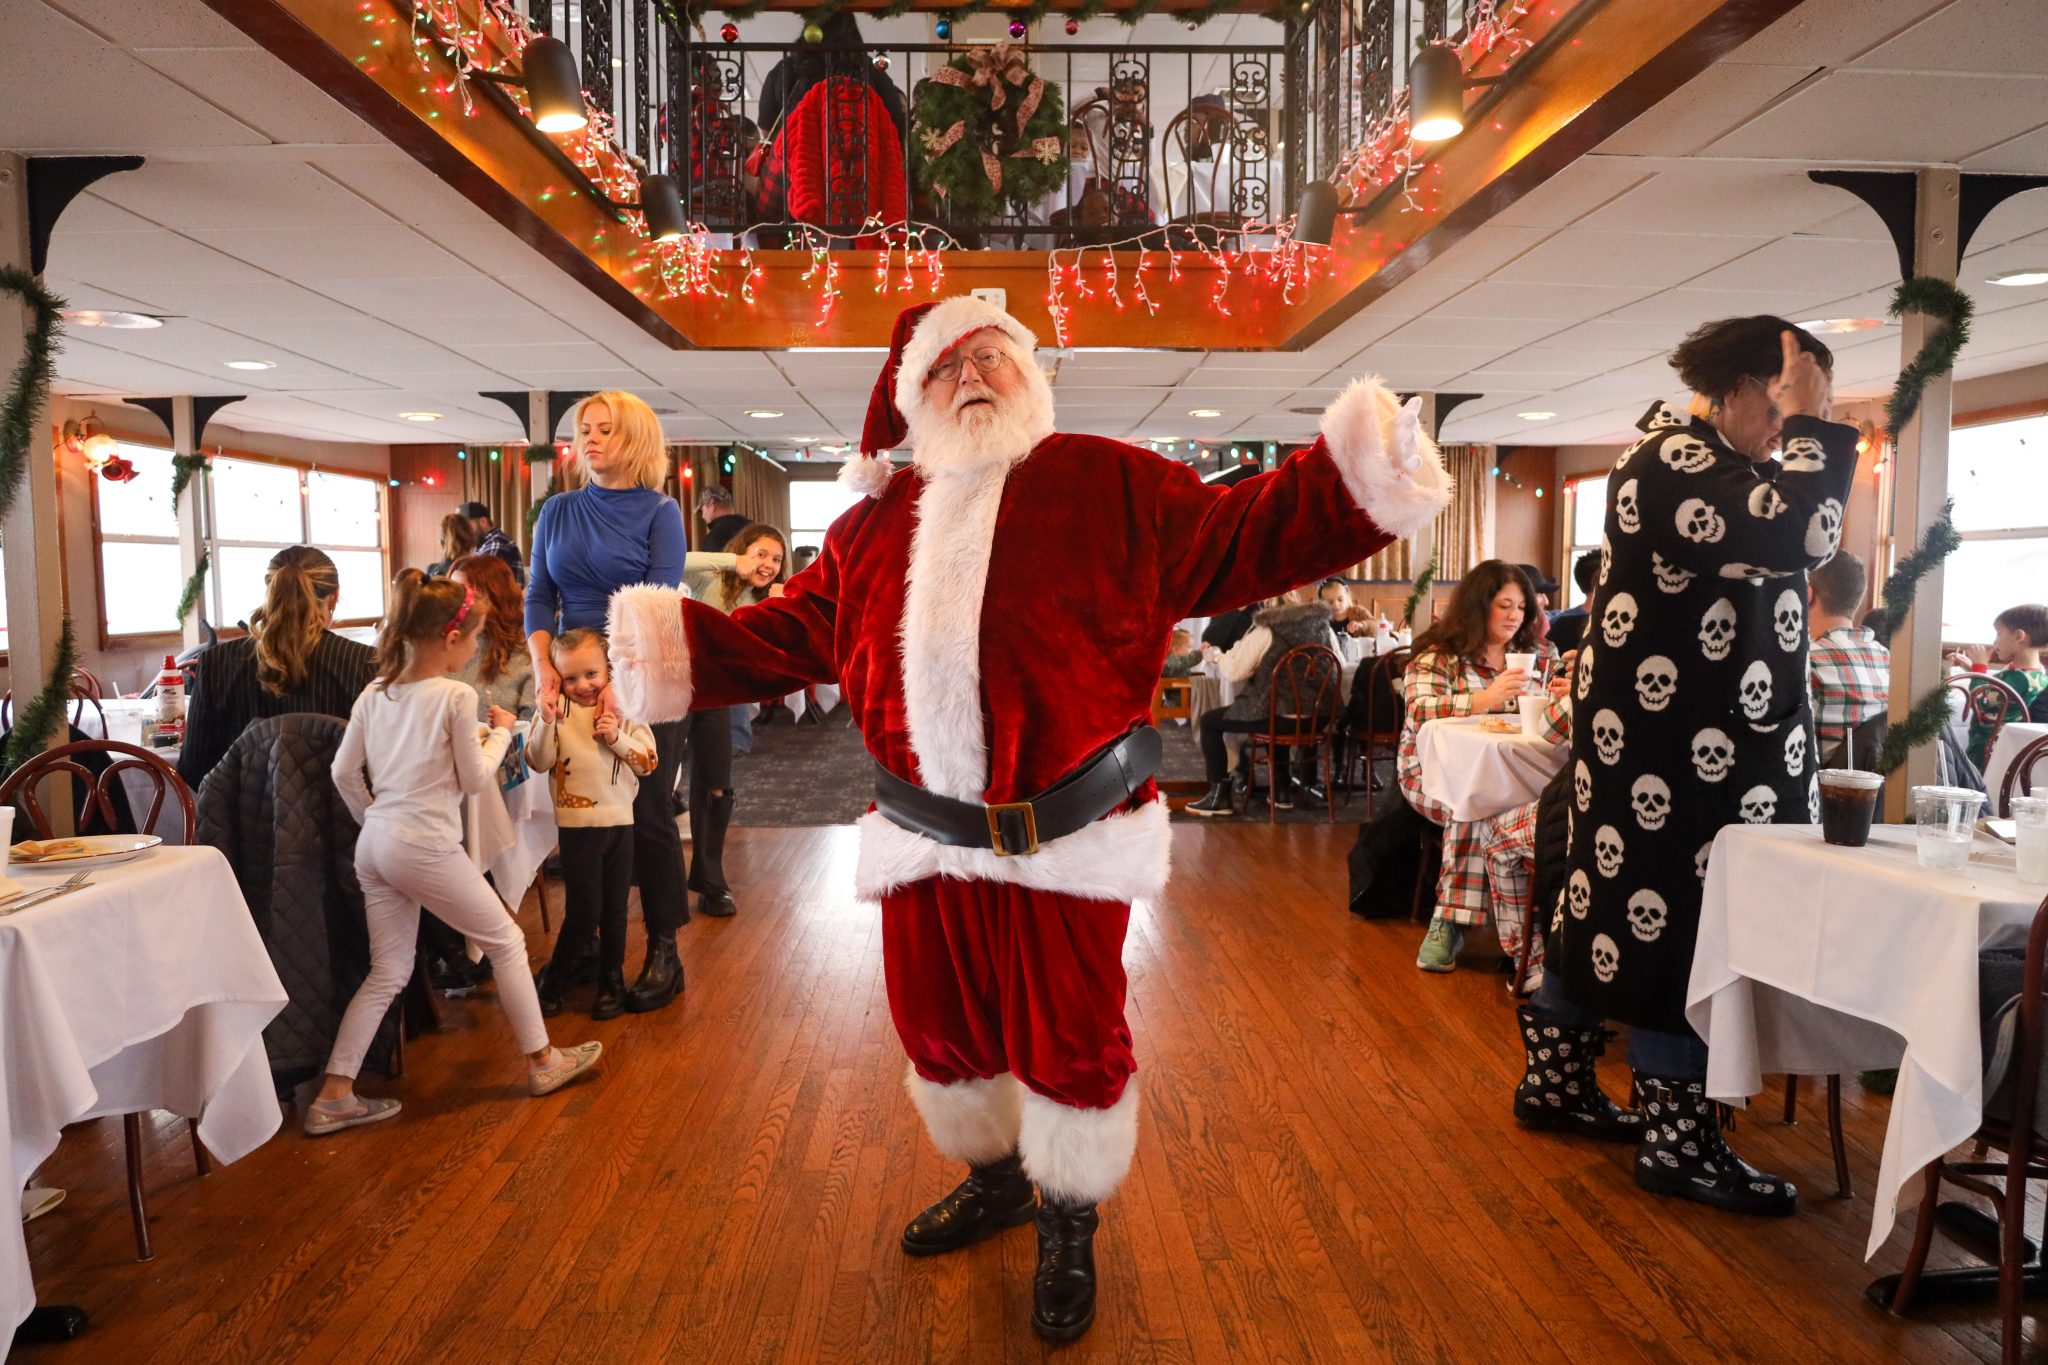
x: 1124, y: 857
x: 936, y: 332
x: 867, y: 475
x: 650, y: 653
x: 1079, y: 1156
x: 1390, y: 466
x: 972, y: 1121
x: 941, y: 631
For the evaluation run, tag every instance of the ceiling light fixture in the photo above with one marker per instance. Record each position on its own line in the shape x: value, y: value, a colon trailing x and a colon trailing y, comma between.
x: 421, y: 416
x: 1535, y: 416
x: 251, y: 364
x: 554, y: 87
x: 2020, y: 279
x: 763, y: 413
x: 1205, y: 412
x: 109, y: 317
x: 1836, y: 326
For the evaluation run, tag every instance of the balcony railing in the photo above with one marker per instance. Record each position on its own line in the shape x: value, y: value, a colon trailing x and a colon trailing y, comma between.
x: 1167, y: 144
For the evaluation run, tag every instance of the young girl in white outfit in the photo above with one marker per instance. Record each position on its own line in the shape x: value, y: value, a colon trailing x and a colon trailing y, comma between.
x: 413, y: 733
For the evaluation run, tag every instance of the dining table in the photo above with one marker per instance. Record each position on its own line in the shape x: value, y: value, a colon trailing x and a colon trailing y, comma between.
x: 2013, y: 737
x: 145, y: 987
x: 1816, y: 959
x: 1478, y: 773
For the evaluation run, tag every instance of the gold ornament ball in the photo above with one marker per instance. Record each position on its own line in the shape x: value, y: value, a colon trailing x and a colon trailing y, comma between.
x: 813, y: 33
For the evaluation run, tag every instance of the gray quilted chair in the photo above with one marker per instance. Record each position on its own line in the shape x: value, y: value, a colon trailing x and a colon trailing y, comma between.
x: 271, y: 806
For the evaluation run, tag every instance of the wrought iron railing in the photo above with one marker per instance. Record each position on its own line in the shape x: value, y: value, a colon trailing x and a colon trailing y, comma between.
x: 1191, y: 140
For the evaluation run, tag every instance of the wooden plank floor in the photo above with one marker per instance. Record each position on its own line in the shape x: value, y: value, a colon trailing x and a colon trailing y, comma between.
x: 1326, y: 1171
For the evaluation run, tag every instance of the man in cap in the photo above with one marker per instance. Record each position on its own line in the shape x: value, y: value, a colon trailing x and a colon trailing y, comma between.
x: 492, y: 541
x: 1005, y: 696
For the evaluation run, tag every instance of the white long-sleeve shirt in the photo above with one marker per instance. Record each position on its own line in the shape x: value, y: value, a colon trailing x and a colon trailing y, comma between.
x: 410, y: 755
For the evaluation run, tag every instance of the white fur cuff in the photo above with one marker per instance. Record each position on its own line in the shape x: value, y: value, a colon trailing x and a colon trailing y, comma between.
x: 650, y: 653
x: 1390, y: 466
x: 971, y: 1121
x: 866, y: 475
x: 1120, y: 858
x: 1079, y: 1156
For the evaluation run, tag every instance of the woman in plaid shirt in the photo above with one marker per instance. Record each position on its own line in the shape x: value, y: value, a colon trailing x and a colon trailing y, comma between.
x: 1460, y: 669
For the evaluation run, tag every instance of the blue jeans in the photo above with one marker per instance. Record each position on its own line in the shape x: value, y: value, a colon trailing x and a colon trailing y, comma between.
x: 1651, y: 1052
x: 743, y: 728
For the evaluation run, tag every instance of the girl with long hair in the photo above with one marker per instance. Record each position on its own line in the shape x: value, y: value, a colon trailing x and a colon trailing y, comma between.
x: 290, y: 661
x: 409, y: 757
x: 458, y: 538
x: 501, y: 672
x: 1459, y: 668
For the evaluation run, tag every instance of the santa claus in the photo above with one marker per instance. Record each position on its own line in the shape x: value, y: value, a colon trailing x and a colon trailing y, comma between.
x: 996, y: 616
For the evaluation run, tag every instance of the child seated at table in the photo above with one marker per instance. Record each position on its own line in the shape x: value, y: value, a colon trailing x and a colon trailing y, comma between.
x: 2022, y: 633
x: 410, y: 755
x: 1182, y: 654
x: 594, y: 762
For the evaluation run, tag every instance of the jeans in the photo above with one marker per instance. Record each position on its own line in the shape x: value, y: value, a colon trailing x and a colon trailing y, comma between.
x: 743, y: 728
x: 1651, y: 1052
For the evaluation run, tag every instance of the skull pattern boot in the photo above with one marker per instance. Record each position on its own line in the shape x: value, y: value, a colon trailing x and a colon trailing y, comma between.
x: 1559, y: 1091
x: 1683, y: 1153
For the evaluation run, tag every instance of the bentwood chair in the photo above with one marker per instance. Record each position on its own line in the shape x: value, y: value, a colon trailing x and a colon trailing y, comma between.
x: 2019, y: 778
x: 1987, y: 701
x: 23, y: 790
x: 1301, y: 712
x: 1384, y: 715
x: 2016, y: 1137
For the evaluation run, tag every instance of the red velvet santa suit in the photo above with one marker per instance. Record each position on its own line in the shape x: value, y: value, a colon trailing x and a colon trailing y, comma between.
x: 991, y: 628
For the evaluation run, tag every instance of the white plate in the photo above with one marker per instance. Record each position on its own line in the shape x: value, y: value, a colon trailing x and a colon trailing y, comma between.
x: 105, y: 849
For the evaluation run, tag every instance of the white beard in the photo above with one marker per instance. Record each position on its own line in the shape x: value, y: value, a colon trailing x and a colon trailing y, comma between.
x: 1000, y: 432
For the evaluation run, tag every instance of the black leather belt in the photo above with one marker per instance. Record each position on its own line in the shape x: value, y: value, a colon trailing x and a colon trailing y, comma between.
x: 1015, y: 828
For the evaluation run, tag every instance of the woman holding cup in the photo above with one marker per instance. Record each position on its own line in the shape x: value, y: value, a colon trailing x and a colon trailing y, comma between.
x: 1481, y: 656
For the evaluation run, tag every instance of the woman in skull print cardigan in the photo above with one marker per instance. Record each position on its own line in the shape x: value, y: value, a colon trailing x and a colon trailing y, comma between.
x: 1692, y: 714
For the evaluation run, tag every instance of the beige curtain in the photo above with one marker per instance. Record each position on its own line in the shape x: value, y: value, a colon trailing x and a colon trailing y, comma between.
x: 501, y: 484
x: 1461, y: 528
x: 760, y: 490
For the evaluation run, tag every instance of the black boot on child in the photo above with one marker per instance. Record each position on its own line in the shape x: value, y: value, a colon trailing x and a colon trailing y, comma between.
x: 1683, y: 1153
x: 1063, y: 1292
x: 611, y: 995
x: 1559, y: 1092
x: 994, y: 1196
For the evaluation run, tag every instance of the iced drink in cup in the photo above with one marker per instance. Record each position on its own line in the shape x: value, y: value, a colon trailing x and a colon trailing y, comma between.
x: 2030, y: 815
x: 1947, y: 818
x: 1848, y: 802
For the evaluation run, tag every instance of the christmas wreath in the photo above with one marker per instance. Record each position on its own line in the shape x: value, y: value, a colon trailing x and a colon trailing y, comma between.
x: 992, y: 133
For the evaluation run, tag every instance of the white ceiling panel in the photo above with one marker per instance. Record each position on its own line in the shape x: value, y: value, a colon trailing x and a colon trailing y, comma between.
x: 1809, y: 269
x: 254, y: 88
x: 2023, y: 155
x: 1482, y: 252
x: 1712, y: 197
x: 1647, y: 259
x: 386, y: 251
x: 1969, y: 36
x: 1437, y: 330
x: 1561, y: 304
x: 1832, y: 32
x: 1712, y: 104
x: 1573, y: 192
x: 1856, y: 115
x: 237, y: 196
x: 144, y: 26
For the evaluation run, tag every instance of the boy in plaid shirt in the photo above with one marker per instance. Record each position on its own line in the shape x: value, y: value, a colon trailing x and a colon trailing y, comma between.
x: 1851, y: 672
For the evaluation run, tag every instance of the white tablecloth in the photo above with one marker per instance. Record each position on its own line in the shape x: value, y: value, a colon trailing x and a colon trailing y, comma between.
x: 2014, y: 737
x: 511, y: 835
x: 1479, y: 775
x: 149, y: 989
x: 1815, y: 959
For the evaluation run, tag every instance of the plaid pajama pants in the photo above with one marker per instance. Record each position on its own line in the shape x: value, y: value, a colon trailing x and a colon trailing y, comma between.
x: 1461, y: 887
x: 1510, y: 847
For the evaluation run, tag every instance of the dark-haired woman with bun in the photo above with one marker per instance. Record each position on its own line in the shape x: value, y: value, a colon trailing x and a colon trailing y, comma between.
x: 1692, y: 715
x: 289, y: 662
x: 410, y: 755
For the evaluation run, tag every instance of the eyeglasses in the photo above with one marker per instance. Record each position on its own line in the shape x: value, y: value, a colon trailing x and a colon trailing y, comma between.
x: 988, y: 360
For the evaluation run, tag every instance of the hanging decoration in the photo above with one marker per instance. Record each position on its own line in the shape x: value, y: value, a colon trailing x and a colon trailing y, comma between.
x: 194, y: 585
x: 1941, y: 541
x: 943, y: 30
x: 30, y: 382
x: 183, y: 467
x: 993, y: 132
x: 1018, y: 28
x: 1073, y: 27
x: 814, y: 33
x: 39, y: 719
x: 1922, y: 724
x: 1420, y: 592
x: 1952, y: 308
x: 729, y: 31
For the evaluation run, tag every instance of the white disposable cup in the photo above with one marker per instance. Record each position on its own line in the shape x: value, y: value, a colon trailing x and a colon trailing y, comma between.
x: 1532, y: 714
x: 2030, y: 815
x: 6, y: 832
x: 1947, y: 825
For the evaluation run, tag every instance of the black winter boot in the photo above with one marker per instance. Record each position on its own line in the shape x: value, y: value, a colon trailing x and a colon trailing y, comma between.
x: 1215, y: 801
x: 992, y: 1197
x: 547, y: 984
x: 709, y: 821
x: 1683, y: 1153
x: 660, y: 978
x: 1559, y: 1092
x: 1063, y: 1293
x: 611, y: 996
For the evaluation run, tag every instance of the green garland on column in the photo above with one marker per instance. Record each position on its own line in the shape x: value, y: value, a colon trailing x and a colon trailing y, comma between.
x: 183, y: 467
x: 1418, y: 593
x: 1947, y: 305
x: 194, y: 585
x: 1941, y: 541
x: 37, y: 721
x: 29, y: 384
x: 1923, y: 724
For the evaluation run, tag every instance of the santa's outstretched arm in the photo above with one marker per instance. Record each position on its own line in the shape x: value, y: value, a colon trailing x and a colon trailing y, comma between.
x: 1372, y: 477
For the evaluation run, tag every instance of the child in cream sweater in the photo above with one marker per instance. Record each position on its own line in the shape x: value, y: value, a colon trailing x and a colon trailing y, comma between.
x: 594, y: 765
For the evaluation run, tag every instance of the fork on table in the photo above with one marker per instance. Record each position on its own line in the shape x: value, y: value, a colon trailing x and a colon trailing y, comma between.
x: 49, y: 893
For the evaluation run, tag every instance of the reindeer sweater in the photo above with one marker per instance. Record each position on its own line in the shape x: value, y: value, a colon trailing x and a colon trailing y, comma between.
x: 594, y: 783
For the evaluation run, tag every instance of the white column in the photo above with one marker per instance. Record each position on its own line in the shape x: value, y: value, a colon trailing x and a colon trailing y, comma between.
x: 1424, y: 544
x: 191, y: 512
x: 1920, y: 479
x: 28, y: 537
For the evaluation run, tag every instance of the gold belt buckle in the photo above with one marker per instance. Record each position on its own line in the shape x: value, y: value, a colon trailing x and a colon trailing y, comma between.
x: 995, y: 828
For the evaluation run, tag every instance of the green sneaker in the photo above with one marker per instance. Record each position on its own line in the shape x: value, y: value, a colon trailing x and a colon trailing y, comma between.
x: 1440, y: 947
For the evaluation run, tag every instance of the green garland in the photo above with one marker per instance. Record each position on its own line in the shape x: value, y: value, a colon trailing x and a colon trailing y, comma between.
x: 37, y: 721
x: 183, y: 467
x: 1921, y: 725
x: 1941, y: 541
x: 194, y: 585
x: 29, y: 384
x: 1419, y: 592
x: 1947, y: 305
x: 1032, y: 160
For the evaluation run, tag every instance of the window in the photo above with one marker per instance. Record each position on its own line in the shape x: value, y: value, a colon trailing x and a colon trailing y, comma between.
x: 140, y: 577
x: 2004, y: 557
x: 259, y: 509
x: 813, y: 506
x: 1585, y: 516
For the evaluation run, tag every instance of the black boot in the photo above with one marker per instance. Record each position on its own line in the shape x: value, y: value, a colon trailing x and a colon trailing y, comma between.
x: 992, y: 1197
x: 660, y: 978
x: 547, y: 984
x: 1283, y: 792
x: 1559, y: 1092
x: 1063, y: 1293
x: 1215, y: 801
x: 1683, y: 1153
x: 709, y: 821
x: 717, y: 904
x: 611, y: 996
